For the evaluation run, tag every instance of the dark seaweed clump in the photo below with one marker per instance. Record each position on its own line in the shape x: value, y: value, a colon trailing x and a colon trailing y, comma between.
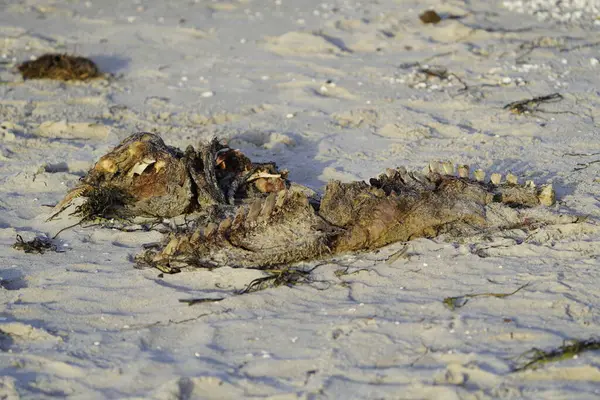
x: 62, y: 67
x: 104, y: 202
x: 535, y: 358
x: 39, y: 245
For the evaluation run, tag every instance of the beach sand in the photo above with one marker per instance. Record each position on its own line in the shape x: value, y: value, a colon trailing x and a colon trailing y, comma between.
x: 328, y: 90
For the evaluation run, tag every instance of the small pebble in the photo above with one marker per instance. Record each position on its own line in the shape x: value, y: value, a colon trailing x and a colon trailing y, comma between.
x: 430, y: 17
x: 207, y: 94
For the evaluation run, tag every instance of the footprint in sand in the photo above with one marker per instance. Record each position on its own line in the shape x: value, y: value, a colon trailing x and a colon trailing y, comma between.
x: 12, y: 279
x: 18, y: 332
x: 301, y: 44
x: 264, y: 140
x: 72, y: 130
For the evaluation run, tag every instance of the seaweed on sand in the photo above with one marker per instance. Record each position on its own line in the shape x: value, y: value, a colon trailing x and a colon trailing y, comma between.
x: 275, y: 277
x: 584, y: 165
x: 456, y: 302
x: 40, y: 244
x: 191, y: 302
x: 280, y: 277
x: 61, y: 67
x: 529, y: 106
x: 103, y: 203
x: 535, y: 358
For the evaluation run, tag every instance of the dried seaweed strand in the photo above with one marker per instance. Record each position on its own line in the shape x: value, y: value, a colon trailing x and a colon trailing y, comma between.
x: 279, y: 277
x: 38, y: 245
x: 580, y: 46
x: 443, y: 74
x: 344, y: 271
x: 191, y: 302
x: 531, y: 105
x: 457, y: 302
x: 402, y: 253
x: 584, y: 165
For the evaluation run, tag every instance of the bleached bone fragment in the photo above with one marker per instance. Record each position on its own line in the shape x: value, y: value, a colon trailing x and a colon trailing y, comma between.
x: 479, y: 175
x: 436, y: 167
x: 171, y: 247
x: 495, y: 178
x: 196, y: 236
x: 405, y: 176
x: 107, y: 165
x: 419, y: 177
x: 281, y: 196
x: 141, y: 166
x: 448, y: 168
x: 262, y: 174
x: 463, y: 171
x: 254, y: 210
x: 547, y: 196
x: 401, y: 170
x: 225, y: 225
x: 240, y: 217
x: 512, y: 179
x: 210, y: 229
x: 268, y: 207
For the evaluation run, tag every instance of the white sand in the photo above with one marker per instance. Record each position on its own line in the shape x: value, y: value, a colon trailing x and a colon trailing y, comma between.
x: 86, y: 324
